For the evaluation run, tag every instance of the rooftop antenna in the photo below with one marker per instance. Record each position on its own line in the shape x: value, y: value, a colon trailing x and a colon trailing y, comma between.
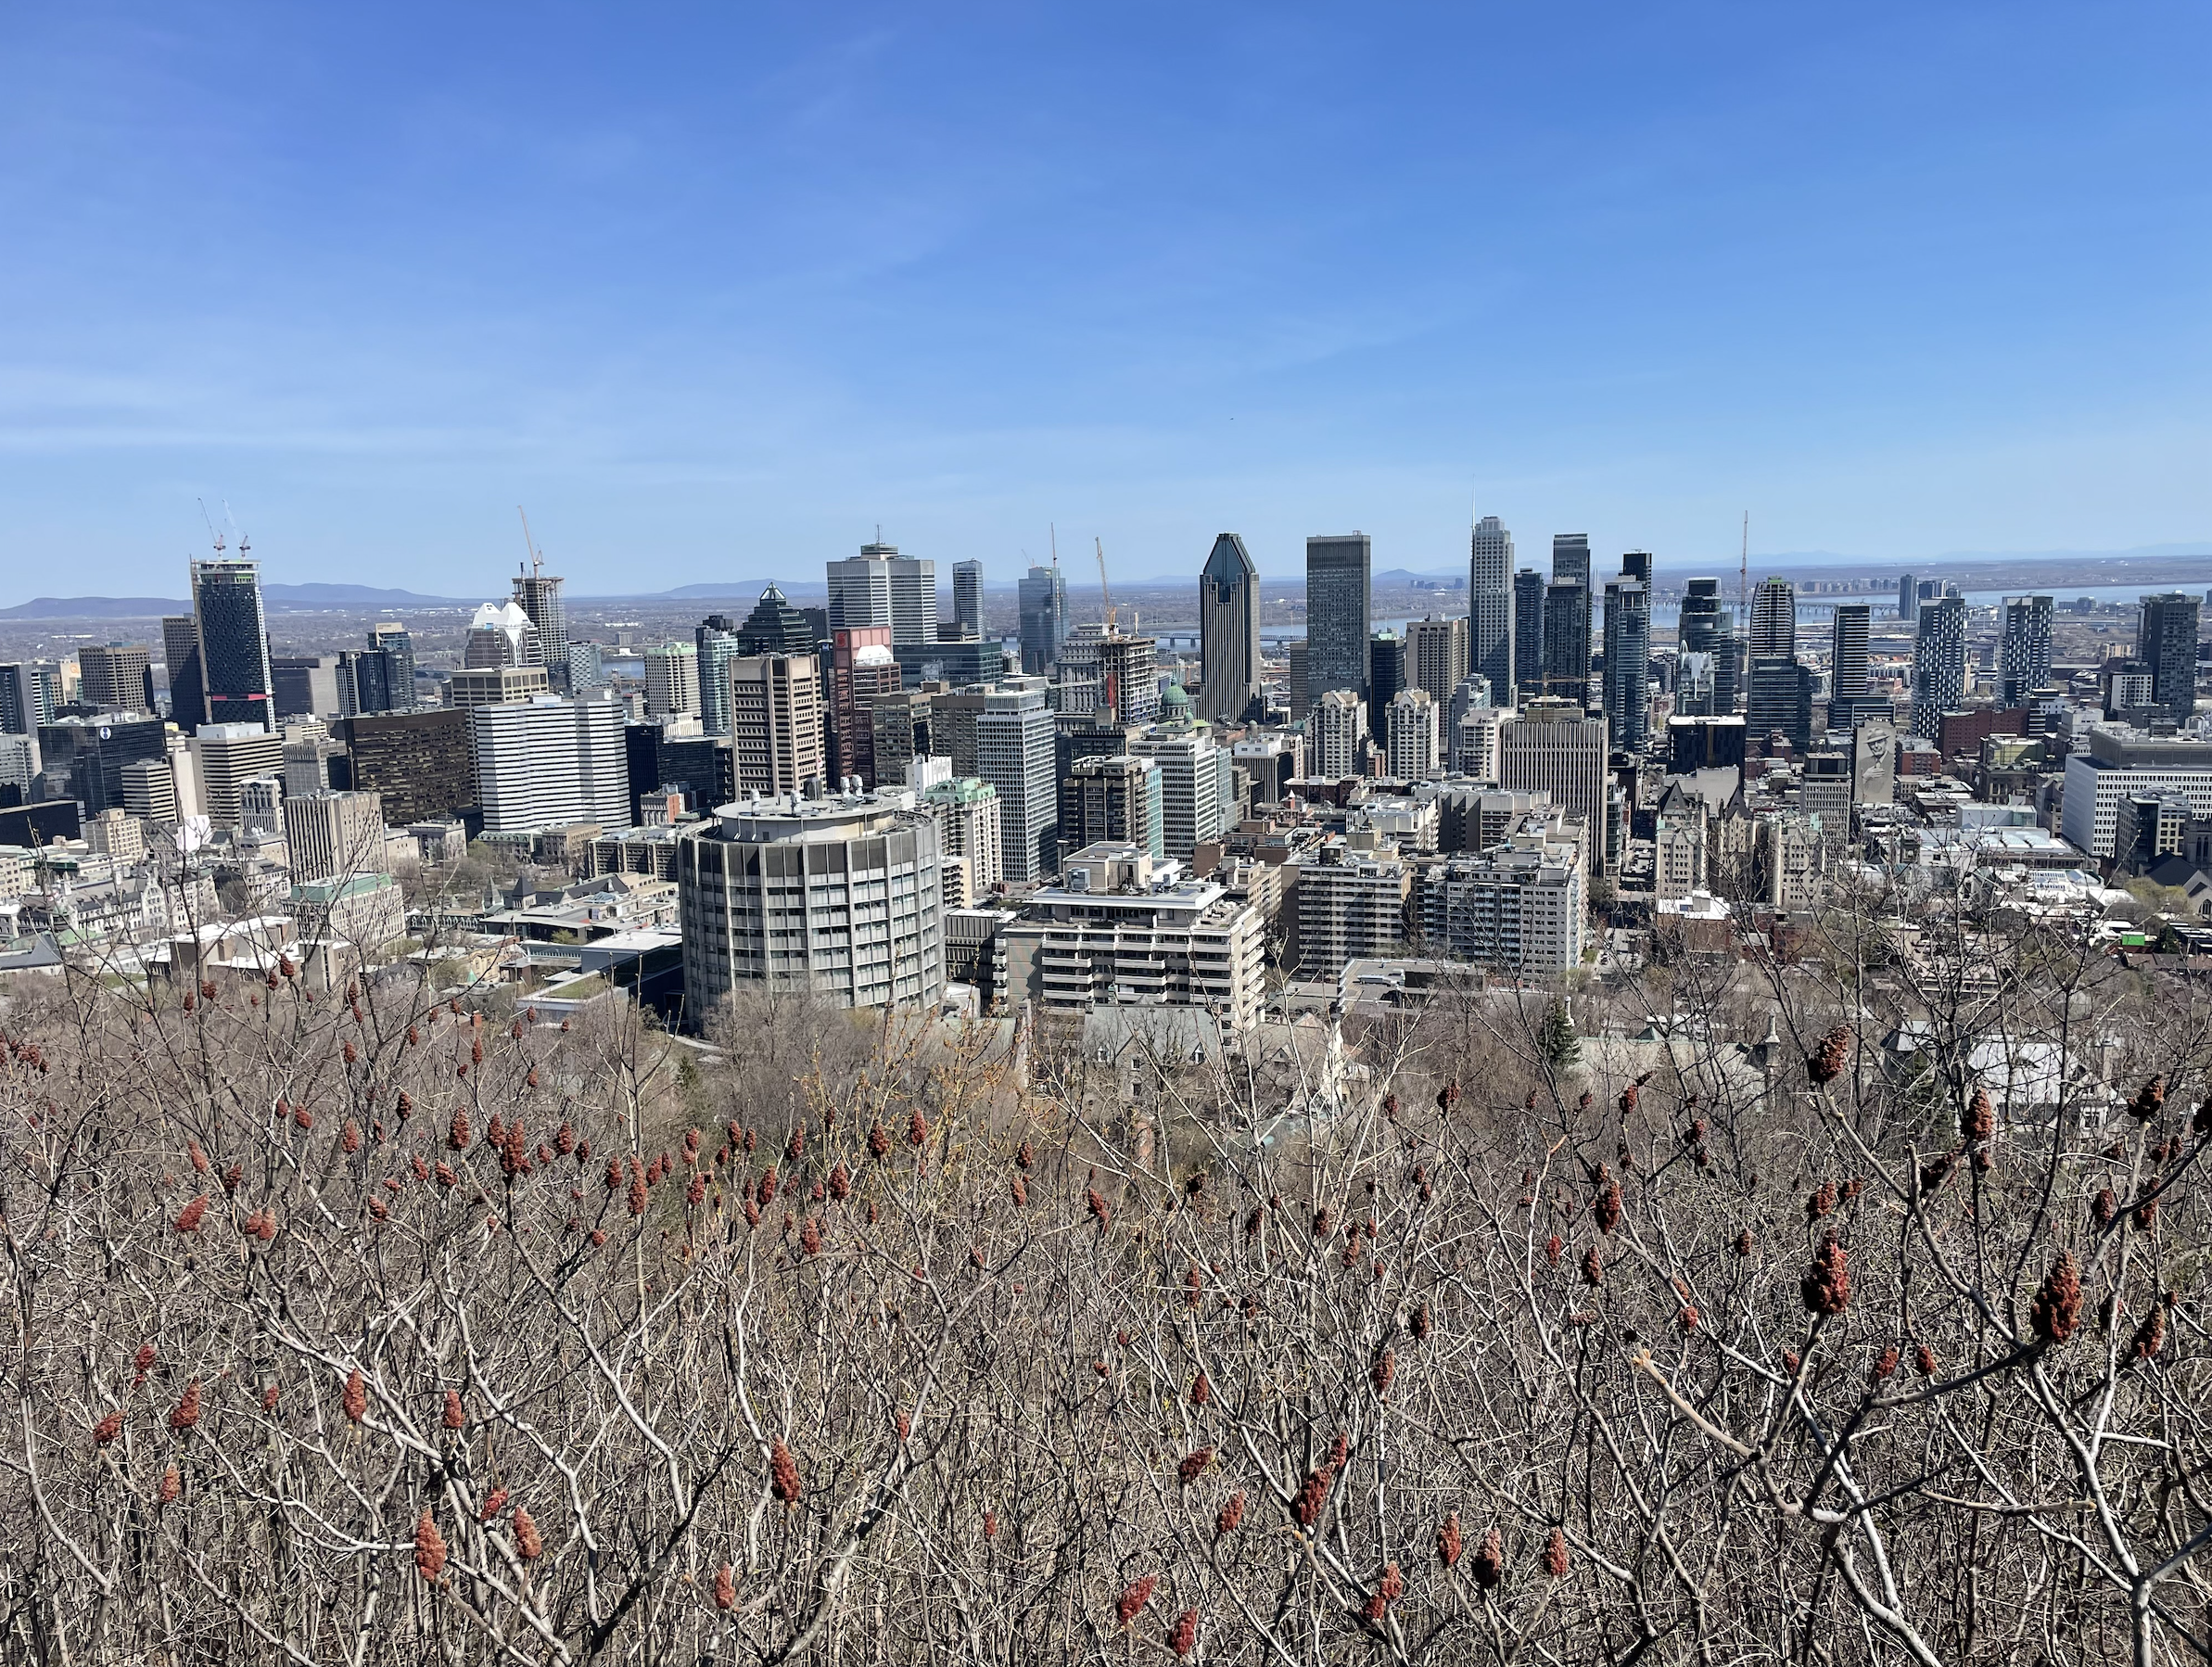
x: 210, y: 521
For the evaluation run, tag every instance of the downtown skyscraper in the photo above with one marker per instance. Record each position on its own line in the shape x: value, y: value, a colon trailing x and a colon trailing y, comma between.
x: 880, y: 587
x: 967, y: 598
x: 1490, y: 607
x: 1228, y: 631
x: 1774, y: 620
x: 1703, y: 627
x: 1939, y: 663
x: 2165, y: 642
x: 1851, y: 696
x: 1338, y: 606
x: 1628, y: 663
x: 1043, y: 594
x: 236, y: 683
x: 1567, y: 619
x: 2024, y: 649
x: 1528, y: 636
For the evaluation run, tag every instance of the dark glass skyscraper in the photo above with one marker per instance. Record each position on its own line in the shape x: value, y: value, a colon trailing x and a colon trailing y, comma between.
x: 1628, y: 663
x: 1704, y: 627
x: 84, y: 758
x: 1044, y: 601
x: 180, y: 650
x: 1846, y: 664
x: 1386, y: 674
x: 2166, y: 640
x: 2024, y: 651
x: 967, y: 598
x: 775, y: 627
x: 1774, y: 620
x: 1850, y: 697
x: 1571, y: 556
x: 1228, y: 630
x: 1527, y: 634
x: 1567, y: 640
x: 393, y: 641
x: 234, y: 641
x: 1337, y: 609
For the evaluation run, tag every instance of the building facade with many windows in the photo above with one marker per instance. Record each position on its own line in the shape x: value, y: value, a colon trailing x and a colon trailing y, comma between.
x: 1120, y: 928
x: 1516, y: 908
x: 550, y: 763
x: 840, y: 897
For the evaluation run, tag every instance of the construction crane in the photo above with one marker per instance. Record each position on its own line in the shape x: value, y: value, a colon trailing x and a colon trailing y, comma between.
x: 211, y: 528
x: 1105, y: 591
x: 530, y: 544
x: 1743, y: 579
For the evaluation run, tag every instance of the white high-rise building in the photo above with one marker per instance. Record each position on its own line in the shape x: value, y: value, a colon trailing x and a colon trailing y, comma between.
x: 2118, y: 763
x: 1332, y: 736
x: 880, y: 587
x: 228, y: 755
x: 671, y: 678
x: 1415, y: 747
x: 1191, y: 810
x: 1015, y: 752
x: 547, y: 763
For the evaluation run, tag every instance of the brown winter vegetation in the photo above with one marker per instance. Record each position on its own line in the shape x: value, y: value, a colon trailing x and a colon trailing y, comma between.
x: 360, y: 1329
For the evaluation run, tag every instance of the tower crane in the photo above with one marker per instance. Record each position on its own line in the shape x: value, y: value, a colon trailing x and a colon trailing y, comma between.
x: 530, y: 544
x: 1105, y: 590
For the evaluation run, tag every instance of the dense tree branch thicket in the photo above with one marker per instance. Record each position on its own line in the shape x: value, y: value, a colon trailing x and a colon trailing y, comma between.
x: 358, y: 1329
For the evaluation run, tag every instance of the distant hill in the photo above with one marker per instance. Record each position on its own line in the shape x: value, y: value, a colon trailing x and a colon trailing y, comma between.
x: 352, y: 596
x: 277, y: 599
x: 97, y: 607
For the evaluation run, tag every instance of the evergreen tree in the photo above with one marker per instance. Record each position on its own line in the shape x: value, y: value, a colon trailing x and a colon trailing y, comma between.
x: 1562, y: 1049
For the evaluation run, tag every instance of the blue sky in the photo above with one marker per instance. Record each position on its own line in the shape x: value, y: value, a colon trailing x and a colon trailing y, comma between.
x: 715, y: 290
